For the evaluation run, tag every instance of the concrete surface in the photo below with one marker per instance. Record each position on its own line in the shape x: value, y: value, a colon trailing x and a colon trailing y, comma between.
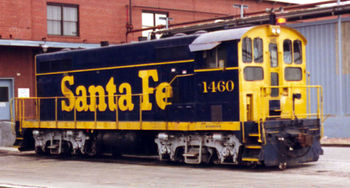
x: 7, y: 138
x: 28, y: 170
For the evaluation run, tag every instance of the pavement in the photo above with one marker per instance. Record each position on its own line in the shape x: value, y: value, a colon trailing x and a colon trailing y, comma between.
x: 335, y: 141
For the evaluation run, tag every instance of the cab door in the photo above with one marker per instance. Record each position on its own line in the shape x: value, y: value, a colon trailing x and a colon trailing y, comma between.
x: 274, y: 98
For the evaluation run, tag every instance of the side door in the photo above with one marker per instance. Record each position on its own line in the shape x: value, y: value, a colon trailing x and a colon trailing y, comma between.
x: 6, y: 93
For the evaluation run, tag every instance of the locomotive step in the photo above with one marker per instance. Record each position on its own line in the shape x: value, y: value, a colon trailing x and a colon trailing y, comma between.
x: 53, y: 146
x: 250, y: 159
x: 254, y: 134
x: 191, y: 154
x: 252, y: 146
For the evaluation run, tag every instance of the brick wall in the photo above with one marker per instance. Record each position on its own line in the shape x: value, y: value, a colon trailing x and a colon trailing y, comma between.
x: 17, y: 63
x: 101, y: 20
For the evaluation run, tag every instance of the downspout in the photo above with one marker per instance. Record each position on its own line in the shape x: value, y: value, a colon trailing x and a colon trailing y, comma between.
x: 128, y: 20
x: 340, y: 64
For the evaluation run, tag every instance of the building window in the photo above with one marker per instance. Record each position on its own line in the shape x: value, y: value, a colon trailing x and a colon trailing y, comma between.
x: 152, y: 19
x: 62, y: 19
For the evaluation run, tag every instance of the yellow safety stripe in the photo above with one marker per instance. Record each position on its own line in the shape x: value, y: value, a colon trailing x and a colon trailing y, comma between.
x: 118, y: 67
x: 135, y: 125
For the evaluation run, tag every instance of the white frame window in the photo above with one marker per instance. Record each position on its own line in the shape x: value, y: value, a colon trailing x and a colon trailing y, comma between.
x: 62, y: 19
x: 152, y: 19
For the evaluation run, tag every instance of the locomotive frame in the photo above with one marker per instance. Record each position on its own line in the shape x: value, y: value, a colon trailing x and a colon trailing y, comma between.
x: 233, y: 96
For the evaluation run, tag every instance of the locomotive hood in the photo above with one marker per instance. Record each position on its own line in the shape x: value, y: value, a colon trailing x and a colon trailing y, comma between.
x: 208, y: 41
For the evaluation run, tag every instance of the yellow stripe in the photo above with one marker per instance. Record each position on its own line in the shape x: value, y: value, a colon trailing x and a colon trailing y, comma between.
x: 253, y: 134
x: 253, y: 147
x: 216, y: 69
x: 135, y: 125
x: 250, y: 159
x: 118, y: 67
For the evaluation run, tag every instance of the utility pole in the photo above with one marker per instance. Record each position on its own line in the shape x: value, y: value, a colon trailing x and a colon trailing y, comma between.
x: 241, y: 7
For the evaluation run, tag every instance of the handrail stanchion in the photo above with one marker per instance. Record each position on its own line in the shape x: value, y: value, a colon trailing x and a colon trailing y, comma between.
x: 39, y: 112
x: 23, y: 116
x: 322, y: 118
x: 75, y: 115
x: 318, y: 103
x: 13, y: 121
x: 95, y: 114
x: 56, y: 121
x: 116, y: 113
x: 140, y: 112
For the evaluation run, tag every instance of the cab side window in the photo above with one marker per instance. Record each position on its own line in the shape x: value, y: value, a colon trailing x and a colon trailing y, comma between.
x: 287, y: 51
x: 258, y: 50
x: 247, y: 50
x: 215, y: 58
x: 297, y: 52
x: 273, y: 55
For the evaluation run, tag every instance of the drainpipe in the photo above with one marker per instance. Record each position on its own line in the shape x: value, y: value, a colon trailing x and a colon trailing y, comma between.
x: 129, y: 26
x: 340, y: 64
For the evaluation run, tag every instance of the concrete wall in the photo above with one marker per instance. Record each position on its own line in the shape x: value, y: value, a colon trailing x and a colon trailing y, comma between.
x: 7, y: 138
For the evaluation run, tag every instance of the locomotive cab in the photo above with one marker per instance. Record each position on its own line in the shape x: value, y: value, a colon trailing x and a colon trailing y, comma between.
x: 275, y: 93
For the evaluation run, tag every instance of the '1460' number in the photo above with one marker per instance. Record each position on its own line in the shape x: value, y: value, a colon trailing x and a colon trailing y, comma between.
x: 220, y: 86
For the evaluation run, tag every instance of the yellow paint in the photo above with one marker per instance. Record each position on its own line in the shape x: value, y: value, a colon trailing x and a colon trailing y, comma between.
x: 81, y: 101
x: 125, y: 101
x: 163, y: 92
x: 93, y: 90
x: 67, y: 93
x: 97, y: 94
x: 145, y: 75
x: 258, y: 93
x: 135, y: 125
x: 111, y: 89
x: 119, y: 67
x: 250, y: 159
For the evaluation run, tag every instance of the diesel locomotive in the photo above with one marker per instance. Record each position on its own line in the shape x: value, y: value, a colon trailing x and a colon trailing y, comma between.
x: 237, y: 96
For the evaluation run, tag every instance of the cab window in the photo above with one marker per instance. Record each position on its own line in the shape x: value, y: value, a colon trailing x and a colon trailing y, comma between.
x: 258, y: 50
x: 292, y: 74
x: 215, y: 58
x: 273, y: 55
x: 297, y: 51
x: 247, y: 50
x: 287, y: 51
x: 253, y: 73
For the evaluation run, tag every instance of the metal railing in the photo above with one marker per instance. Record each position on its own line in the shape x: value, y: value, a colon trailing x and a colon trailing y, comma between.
x: 20, y: 115
x: 289, y: 91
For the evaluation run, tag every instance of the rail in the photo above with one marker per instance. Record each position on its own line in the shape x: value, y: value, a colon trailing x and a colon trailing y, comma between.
x: 290, y: 91
x: 21, y: 104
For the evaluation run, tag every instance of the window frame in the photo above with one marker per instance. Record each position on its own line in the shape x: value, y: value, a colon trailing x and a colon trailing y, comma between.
x: 261, y: 51
x: 154, y: 19
x: 244, y: 60
x: 62, y: 5
x: 300, y: 51
x: 218, y: 51
x: 272, y: 64
x: 291, y: 68
x: 290, y: 53
x: 251, y: 67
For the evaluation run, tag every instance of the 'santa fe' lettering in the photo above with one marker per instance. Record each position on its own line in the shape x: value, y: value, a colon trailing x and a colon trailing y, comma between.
x: 101, y: 98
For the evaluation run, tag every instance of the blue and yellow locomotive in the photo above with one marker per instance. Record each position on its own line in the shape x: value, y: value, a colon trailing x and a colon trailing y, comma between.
x: 232, y: 96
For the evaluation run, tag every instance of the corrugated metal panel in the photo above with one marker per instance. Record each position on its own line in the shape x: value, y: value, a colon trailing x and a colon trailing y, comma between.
x: 346, y: 66
x: 321, y: 62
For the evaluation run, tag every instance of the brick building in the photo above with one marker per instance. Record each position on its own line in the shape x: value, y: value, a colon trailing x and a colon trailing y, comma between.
x: 30, y: 27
